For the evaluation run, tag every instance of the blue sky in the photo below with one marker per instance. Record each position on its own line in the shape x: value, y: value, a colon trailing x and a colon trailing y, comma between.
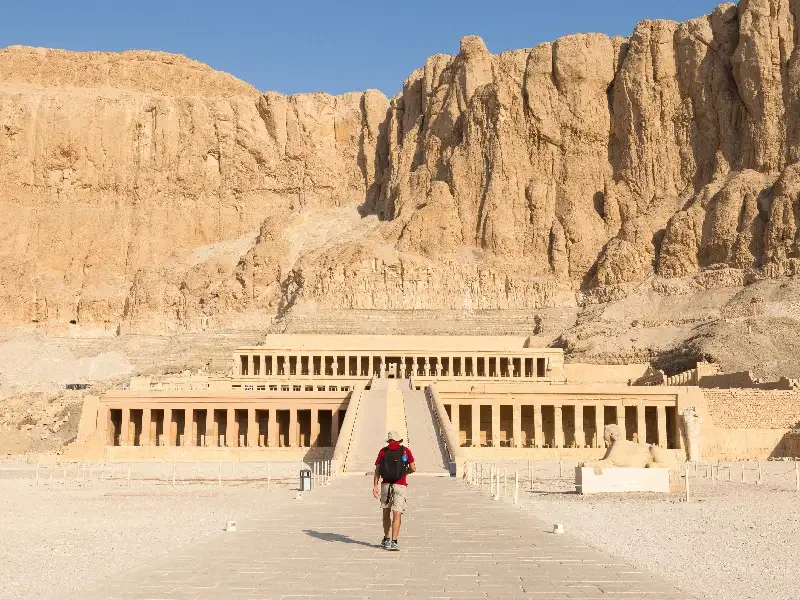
x: 306, y: 46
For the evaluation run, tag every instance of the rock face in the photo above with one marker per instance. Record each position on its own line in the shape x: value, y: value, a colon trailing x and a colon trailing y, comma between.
x: 148, y: 192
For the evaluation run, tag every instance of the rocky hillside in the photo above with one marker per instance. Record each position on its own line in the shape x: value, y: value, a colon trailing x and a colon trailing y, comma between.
x: 147, y: 193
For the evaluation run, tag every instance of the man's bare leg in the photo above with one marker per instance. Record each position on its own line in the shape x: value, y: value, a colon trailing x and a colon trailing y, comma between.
x: 396, y: 525
x: 387, y: 521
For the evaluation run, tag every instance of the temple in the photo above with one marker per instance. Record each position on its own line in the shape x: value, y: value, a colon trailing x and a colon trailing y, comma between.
x: 498, y: 394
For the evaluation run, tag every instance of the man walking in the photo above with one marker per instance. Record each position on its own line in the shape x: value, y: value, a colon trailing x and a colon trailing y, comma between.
x: 393, y: 464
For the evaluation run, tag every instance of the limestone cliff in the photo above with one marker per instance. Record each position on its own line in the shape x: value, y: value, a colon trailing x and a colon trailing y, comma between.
x: 148, y: 191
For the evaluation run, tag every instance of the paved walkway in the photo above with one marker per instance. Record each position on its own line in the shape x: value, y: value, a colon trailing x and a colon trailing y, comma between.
x: 457, y: 543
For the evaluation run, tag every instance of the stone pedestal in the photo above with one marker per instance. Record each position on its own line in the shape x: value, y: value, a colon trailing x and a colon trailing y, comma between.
x: 620, y: 480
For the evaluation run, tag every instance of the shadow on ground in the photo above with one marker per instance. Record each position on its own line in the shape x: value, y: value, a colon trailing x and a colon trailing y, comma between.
x: 337, y: 537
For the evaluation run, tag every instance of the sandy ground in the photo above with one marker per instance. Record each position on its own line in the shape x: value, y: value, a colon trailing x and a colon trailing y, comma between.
x: 58, y: 540
x: 733, y: 541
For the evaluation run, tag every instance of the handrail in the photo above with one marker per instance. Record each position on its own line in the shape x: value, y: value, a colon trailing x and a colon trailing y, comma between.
x: 451, y: 439
x: 342, y: 448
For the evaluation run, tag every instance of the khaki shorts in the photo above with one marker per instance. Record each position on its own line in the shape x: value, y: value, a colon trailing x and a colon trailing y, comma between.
x: 398, y: 500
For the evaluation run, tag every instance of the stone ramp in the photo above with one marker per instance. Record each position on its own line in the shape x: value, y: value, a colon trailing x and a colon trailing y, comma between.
x: 456, y: 543
x: 423, y: 435
x: 369, y: 432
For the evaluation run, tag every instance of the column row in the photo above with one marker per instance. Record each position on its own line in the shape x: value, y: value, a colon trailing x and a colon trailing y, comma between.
x: 561, y: 426
x: 228, y: 427
x: 370, y: 365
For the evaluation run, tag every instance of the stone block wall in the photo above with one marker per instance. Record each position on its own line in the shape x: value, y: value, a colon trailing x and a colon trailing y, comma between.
x: 749, y: 424
x: 753, y: 408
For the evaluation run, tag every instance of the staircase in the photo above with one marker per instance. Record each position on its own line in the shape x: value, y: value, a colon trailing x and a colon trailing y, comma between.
x: 423, y: 439
x: 391, y: 405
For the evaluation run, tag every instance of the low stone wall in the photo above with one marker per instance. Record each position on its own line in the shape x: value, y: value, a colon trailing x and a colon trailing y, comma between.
x: 190, y: 454
x: 568, y: 454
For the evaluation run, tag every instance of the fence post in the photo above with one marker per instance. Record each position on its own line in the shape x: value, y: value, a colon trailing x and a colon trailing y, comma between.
x: 797, y: 476
x: 560, y: 469
x: 505, y: 482
x: 269, y: 475
x: 37, y: 472
x: 742, y: 472
x: 760, y: 478
x: 516, y: 488
x: 530, y: 473
x: 686, y: 477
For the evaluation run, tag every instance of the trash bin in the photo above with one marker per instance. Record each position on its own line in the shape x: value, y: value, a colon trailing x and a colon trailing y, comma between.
x: 305, y: 480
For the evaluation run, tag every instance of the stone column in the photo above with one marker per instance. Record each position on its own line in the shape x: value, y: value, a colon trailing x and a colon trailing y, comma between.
x: 252, y: 428
x: 293, y: 428
x: 144, y: 439
x: 211, y: 439
x: 580, y: 436
x: 272, y: 427
x: 599, y: 426
x: 334, y: 427
x: 231, y: 435
x: 641, y: 424
x: 558, y: 422
x: 125, y: 425
x: 476, y: 425
x: 216, y: 434
x: 314, y: 441
x: 188, y: 427
x: 538, y: 432
x: 661, y: 412
x: 517, y: 425
x: 455, y: 419
x: 166, y: 430
x: 621, y: 421
x: 495, y: 425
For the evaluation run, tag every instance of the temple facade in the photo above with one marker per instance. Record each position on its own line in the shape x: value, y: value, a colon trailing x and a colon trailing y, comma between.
x: 294, y: 392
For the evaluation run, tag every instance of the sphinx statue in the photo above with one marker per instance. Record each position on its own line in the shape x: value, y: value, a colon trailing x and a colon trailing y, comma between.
x: 624, y: 453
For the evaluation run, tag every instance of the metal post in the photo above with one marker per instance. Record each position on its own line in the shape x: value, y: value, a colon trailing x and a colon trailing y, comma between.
x: 560, y: 468
x: 65, y: 474
x: 269, y: 475
x: 760, y: 479
x: 37, y: 472
x: 530, y: 473
x: 742, y: 472
x: 516, y: 488
x: 505, y: 482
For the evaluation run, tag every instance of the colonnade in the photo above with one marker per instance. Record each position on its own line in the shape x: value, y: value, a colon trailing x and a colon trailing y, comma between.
x: 376, y: 365
x: 223, y: 426
x: 551, y: 425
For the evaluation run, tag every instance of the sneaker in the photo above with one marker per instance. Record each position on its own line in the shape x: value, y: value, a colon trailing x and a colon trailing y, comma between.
x: 393, y: 545
x: 386, y: 543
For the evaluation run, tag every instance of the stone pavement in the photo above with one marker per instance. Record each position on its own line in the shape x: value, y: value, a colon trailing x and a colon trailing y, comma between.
x: 456, y: 543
